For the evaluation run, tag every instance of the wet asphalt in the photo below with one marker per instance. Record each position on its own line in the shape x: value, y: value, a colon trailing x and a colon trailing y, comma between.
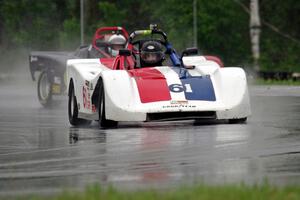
x: 41, y: 153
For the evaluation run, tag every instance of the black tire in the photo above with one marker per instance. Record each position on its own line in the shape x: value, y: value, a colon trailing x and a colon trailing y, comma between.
x: 44, y: 89
x: 103, y: 122
x: 73, y: 109
x: 238, y: 121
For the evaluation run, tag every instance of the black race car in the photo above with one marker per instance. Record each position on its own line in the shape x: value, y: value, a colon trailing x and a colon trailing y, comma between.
x: 51, y: 65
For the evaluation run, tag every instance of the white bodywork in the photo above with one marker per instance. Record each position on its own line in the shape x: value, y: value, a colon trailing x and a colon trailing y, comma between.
x: 123, y: 103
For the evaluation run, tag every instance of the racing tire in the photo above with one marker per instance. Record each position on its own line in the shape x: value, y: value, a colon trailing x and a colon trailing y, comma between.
x: 73, y: 109
x: 238, y: 121
x: 103, y: 122
x: 44, y: 89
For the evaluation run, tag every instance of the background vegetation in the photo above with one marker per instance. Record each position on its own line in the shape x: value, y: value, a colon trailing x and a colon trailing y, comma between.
x: 223, y: 26
x: 196, y: 192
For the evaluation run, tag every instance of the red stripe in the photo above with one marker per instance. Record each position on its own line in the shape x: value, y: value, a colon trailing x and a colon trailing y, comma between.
x: 152, y: 85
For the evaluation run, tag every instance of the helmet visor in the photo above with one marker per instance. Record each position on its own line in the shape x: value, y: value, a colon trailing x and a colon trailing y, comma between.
x: 151, y: 57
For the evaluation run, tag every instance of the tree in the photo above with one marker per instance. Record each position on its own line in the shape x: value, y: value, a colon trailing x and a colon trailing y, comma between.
x: 223, y: 27
x: 280, y: 47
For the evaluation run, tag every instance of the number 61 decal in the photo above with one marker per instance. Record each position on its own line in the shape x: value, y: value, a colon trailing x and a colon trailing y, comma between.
x: 180, y: 88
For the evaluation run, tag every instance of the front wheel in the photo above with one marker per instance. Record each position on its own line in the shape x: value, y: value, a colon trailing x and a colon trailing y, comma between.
x: 103, y: 122
x: 73, y: 109
x: 44, y: 89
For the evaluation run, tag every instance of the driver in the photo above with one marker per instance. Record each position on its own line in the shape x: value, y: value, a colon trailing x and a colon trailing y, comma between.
x: 117, y: 42
x: 151, y: 54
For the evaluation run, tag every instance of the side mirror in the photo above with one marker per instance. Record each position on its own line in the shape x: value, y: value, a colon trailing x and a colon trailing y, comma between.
x: 124, y: 52
x: 190, y: 51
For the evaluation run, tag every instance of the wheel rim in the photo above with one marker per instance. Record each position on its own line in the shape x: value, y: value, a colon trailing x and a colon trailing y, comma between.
x: 44, y: 87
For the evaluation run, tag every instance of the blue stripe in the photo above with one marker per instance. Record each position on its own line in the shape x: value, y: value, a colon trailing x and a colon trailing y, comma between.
x: 201, y: 88
x: 196, y: 87
x: 182, y: 72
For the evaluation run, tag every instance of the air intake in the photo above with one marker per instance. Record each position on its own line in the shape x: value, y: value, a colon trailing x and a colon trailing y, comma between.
x: 168, y: 116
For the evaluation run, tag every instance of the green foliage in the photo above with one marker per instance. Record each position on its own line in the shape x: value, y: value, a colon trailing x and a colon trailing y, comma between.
x: 277, y: 52
x: 223, y: 26
x: 277, y: 82
x: 197, y: 192
x: 23, y: 19
x: 112, y: 15
x: 70, y: 35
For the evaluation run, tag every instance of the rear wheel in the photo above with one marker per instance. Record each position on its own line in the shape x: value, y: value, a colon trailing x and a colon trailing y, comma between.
x: 73, y: 109
x: 44, y: 89
x: 103, y: 122
x: 237, y: 121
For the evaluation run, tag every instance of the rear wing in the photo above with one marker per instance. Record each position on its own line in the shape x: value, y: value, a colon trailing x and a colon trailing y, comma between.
x: 48, y: 60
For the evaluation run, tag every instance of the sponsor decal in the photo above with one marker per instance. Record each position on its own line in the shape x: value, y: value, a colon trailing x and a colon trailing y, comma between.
x: 179, y: 106
x: 179, y: 102
x: 89, y: 85
x: 94, y: 108
x: 86, y: 98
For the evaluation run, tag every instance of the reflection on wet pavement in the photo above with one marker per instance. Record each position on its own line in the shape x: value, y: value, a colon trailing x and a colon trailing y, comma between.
x: 40, y: 152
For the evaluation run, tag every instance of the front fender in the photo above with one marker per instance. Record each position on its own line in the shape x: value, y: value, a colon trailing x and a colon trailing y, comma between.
x: 121, y: 95
x: 84, y: 73
x: 234, y: 94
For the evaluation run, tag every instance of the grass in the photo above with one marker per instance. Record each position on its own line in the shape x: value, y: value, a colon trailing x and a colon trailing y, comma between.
x: 198, y: 192
x: 290, y: 82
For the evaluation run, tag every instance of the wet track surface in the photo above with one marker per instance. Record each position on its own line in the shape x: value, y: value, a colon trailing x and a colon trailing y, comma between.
x: 41, y: 153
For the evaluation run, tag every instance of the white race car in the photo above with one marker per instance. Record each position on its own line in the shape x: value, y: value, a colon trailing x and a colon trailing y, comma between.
x: 121, y: 89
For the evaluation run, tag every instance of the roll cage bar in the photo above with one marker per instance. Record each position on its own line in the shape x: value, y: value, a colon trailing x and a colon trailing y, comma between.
x: 176, y: 60
x: 100, y: 34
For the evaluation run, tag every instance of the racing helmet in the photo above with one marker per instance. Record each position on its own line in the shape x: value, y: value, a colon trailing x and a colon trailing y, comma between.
x: 152, y: 53
x: 117, y: 42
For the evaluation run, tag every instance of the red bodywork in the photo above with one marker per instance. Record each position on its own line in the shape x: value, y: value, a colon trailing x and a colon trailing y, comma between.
x: 119, y: 62
x: 215, y: 59
x: 150, y: 80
